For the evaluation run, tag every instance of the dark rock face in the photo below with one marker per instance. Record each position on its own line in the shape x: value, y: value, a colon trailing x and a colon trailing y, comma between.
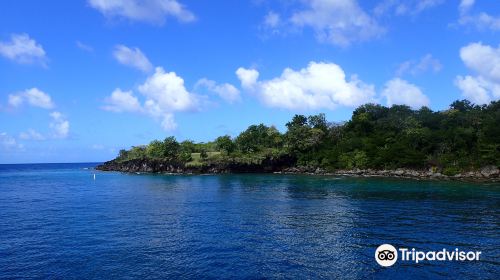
x: 138, y: 165
x: 162, y: 166
x: 488, y: 173
x: 286, y: 165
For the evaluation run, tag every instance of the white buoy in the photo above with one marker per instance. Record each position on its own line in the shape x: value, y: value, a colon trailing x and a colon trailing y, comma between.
x: 94, y: 176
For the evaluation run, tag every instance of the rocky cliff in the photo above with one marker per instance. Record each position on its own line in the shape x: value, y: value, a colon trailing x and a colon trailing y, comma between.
x: 163, y: 166
x: 285, y: 166
x: 488, y: 173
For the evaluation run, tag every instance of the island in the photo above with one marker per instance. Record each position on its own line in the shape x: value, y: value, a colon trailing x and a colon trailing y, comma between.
x: 462, y: 142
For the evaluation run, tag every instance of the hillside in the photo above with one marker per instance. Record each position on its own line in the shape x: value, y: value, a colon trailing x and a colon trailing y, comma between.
x: 463, y: 138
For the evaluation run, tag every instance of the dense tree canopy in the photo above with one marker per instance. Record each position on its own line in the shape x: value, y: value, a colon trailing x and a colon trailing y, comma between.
x: 466, y: 136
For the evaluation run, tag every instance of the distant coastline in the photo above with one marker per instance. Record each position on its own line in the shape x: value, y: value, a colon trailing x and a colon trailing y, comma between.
x: 486, y: 174
x: 460, y: 143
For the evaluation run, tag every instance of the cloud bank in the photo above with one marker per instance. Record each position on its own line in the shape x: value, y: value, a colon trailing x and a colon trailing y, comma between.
x: 318, y: 86
x: 324, y: 85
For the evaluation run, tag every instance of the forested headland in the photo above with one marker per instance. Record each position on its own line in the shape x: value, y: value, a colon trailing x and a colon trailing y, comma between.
x: 463, y: 138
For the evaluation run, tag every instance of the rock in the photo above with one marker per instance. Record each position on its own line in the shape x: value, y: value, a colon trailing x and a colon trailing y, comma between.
x: 399, y: 172
x: 413, y: 173
x: 489, y: 171
x: 319, y: 171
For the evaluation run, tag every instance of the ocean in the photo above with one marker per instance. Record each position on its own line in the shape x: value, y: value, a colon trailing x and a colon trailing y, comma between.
x: 57, y: 222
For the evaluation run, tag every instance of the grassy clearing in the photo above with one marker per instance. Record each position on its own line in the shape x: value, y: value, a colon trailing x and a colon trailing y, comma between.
x: 197, y: 161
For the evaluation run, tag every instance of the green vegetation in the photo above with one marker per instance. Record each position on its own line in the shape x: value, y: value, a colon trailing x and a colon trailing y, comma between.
x: 465, y: 136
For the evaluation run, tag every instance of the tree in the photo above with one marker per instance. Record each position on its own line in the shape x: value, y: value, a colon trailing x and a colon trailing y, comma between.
x: 462, y: 105
x: 203, y: 154
x: 254, y: 139
x: 137, y: 152
x: 225, y: 144
x: 156, y: 149
x: 303, y: 136
x: 297, y: 121
x: 297, y: 131
x: 188, y: 146
x: 274, y: 138
x: 168, y: 149
x: 123, y: 154
x: 171, y: 147
x: 318, y: 122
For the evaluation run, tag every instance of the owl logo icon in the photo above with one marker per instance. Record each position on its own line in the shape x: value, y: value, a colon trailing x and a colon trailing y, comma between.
x: 386, y: 255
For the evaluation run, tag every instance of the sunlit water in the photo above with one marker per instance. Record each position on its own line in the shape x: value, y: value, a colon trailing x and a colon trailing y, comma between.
x: 57, y: 222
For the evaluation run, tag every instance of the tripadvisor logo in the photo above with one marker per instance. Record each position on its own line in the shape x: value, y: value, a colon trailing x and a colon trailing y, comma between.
x: 387, y: 255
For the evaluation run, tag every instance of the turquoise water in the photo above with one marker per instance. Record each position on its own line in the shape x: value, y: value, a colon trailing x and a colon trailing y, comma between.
x: 57, y: 222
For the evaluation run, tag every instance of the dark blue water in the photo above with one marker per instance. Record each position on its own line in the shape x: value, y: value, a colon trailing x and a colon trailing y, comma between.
x: 57, y: 222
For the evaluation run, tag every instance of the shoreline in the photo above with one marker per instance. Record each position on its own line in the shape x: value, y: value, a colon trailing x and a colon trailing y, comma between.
x: 442, y: 178
x: 487, y: 174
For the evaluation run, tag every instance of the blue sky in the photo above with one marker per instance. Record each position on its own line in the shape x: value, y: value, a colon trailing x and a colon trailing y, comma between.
x: 80, y: 80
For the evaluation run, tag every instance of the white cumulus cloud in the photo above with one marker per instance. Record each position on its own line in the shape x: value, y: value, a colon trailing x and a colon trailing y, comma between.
x: 150, y: 11
x: 122, y: 101
x: 226, y: 91
x: 484, y: 62
x: 247, y: 77
x: 59, y: 125
x: 477, y: 89
x: 33, y: 97
x: 318, y: 86
x: 483, y: 59
x: 339, y: 22
x: 22, y: 49
x: 168, y: 91
x: 164, y: 94
x: 132, y: 57
x: 401, y: 92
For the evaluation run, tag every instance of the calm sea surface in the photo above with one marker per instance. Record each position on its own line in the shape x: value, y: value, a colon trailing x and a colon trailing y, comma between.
x: 57, y: 222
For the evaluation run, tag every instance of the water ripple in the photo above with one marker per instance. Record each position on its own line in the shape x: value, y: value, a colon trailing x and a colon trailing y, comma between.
x: 56, y: 222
